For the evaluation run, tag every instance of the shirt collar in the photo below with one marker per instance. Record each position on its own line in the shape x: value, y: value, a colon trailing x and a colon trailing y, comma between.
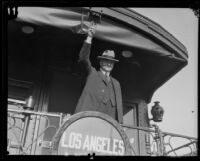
x: 105, y: 73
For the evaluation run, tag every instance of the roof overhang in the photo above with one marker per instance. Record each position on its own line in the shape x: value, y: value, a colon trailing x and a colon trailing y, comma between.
x: 157, y: 55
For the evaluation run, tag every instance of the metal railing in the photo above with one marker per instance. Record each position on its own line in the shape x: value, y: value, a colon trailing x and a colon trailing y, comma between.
x: 157, y: 143
x: 166, y: 144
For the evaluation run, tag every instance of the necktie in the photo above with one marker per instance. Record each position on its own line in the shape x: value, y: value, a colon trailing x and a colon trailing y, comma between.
x: 107, y: 77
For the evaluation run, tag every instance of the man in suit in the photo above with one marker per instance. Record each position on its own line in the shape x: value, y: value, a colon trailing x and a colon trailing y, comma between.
x: 102, y: 92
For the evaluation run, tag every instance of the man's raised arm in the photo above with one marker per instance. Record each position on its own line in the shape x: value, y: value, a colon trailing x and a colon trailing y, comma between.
x: 84, y: 55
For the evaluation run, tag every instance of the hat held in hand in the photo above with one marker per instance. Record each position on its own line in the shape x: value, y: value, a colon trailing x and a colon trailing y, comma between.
x: 108, y: 55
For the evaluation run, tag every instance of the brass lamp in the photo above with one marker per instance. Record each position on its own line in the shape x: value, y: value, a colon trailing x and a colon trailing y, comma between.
x: 157, y: 112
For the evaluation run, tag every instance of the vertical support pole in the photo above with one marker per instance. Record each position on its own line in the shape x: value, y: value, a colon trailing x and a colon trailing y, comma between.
x: 159, y: 140
x: 35, y: 135
x: 162, y: 148
x: 26, y: 123
x: 143, y: 121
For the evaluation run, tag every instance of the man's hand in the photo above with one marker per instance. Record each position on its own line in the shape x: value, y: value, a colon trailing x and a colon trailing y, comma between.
x: 91, y: 31
x: 90, y: 34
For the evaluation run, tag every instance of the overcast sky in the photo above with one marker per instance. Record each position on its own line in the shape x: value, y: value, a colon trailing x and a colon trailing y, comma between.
x: 178, y: 96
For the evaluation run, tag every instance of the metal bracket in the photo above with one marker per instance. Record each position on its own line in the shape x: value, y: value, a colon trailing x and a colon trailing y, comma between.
x: 45, y: 144
x: 14, y: 144
x: 95, y: 16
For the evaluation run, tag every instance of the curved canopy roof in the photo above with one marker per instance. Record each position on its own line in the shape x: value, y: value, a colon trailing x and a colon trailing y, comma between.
x: 156, y: 54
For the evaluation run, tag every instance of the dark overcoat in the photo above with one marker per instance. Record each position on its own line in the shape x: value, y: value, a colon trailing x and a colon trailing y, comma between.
x: 95, y: 90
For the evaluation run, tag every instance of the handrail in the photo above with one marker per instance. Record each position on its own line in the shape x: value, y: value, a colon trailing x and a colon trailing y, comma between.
x: 150, y: 130
x: 33, y: 112
x: 138, y: 128
x: 179, y: 135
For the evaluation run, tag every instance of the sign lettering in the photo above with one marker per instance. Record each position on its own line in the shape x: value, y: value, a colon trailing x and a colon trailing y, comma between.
x: 92, y: 143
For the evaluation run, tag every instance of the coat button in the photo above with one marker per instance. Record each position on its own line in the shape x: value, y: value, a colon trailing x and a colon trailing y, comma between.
x: 102, y: 90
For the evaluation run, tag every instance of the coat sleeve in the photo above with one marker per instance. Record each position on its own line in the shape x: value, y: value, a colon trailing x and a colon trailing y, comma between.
x: 84, y: 57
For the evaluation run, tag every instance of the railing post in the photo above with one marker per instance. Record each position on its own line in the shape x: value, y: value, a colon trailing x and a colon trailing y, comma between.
x: 159, y: 140
x: 162, y: 148
x: 26, y: 123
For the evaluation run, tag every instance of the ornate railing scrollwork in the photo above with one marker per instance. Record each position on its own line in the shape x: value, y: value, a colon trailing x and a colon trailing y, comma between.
x: 18, y: 117
x: 161, y: 144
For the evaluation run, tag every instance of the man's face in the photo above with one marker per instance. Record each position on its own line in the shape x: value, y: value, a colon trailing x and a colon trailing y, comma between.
x: 106, y: 65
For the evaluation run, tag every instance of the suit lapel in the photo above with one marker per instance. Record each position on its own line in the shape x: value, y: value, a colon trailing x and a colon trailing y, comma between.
x: 118, y: 100
x: 114, y: 86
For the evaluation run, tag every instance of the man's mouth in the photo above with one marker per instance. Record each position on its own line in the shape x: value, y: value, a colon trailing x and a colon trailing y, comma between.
x: 107, y: 67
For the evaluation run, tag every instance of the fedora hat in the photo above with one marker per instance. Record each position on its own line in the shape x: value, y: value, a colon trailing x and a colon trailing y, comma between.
x: 109, y: 55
